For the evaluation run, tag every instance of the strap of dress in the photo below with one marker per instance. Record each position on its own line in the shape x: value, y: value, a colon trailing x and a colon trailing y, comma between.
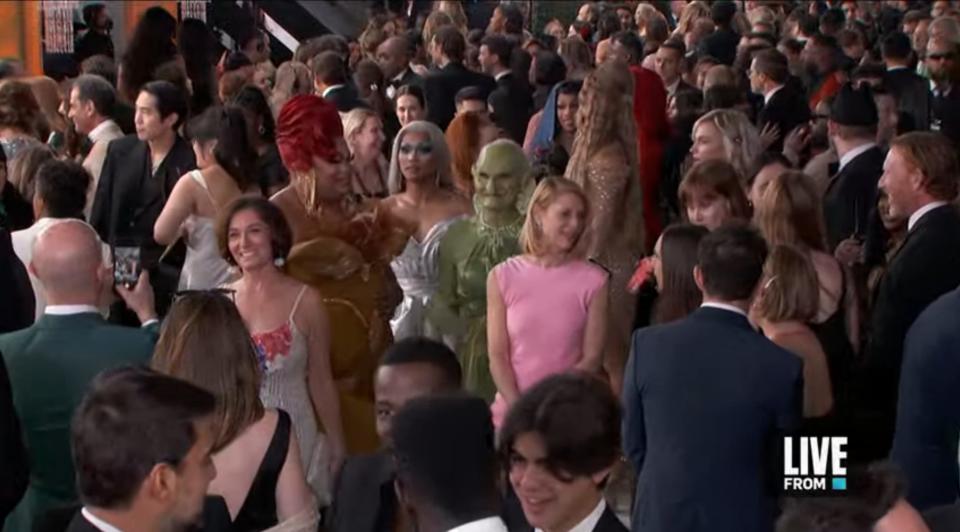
x: 197, y: 176
x: 296, y: 303
x: 260, y: 507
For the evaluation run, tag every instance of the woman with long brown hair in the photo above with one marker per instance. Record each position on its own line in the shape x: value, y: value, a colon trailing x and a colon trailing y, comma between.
x: 711, y: 194
x: 604, y: 163
x: 260, y: 480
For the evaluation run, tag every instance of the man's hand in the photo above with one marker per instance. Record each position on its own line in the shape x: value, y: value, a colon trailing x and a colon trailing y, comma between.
x: 140, y: 300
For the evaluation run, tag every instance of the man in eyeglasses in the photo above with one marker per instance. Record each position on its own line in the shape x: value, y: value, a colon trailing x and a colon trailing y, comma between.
x: 941, y: 63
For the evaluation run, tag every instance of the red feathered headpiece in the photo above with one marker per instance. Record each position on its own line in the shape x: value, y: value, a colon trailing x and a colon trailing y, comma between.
x: 308, y: 126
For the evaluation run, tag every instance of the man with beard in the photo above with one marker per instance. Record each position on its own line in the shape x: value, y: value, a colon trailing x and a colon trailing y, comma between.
x: 942, y: 65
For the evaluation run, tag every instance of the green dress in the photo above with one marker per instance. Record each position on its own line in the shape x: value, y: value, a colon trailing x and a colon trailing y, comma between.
x: 468, y: 252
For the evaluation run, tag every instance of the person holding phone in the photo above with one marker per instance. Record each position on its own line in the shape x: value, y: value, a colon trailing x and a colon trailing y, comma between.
x: 52, y: 363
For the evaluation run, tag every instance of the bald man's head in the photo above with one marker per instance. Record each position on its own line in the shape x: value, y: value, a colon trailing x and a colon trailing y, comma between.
x: 393, y: 56
x: 68, y: 262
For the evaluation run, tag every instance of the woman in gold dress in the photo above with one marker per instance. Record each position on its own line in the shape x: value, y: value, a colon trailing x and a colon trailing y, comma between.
x: 604, y: 163
x: 343, y: 248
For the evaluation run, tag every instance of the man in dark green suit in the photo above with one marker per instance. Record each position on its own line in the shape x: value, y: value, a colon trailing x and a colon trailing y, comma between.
x: 52, y: 362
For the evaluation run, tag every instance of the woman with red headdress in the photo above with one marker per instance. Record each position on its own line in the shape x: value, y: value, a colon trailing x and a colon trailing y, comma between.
x: 342, y: 247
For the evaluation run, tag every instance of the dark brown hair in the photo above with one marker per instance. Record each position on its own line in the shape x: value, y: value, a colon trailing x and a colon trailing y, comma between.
x: 577, y: 417
x: 679, y: 294
x: 718, y: 179
x: 281, y: 237
x: 204, y: 342
x: 19, y: 108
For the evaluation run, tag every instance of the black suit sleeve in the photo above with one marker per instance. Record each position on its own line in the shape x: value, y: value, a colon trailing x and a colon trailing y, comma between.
x: 13, y: 456
x: 100, y: 212
x: 16, y: 296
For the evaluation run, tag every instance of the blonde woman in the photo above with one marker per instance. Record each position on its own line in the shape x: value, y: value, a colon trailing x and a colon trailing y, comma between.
x: 293, y: 78
x: 727, y: 135
x: 604, y: 164
x: 454, y: 10
x: 691, y: 13
x: 789, y: 212
x: 786, y: 304
x: 546, y: 308
x: 363, y: 131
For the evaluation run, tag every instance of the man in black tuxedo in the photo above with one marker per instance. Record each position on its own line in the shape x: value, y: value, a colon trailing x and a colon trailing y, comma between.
x: 393, y: 56
x: 784, y: 107
x: 440, y: 86
x: 363, y: 496
x: 511, y: 100
x: 722, y: 43
x: 561, y: 441
x: 669, y: 57
x: 707, y: 399
x: 942, y: 57
x: 138, y: 175
x: 911, y: 91
x: 331, y: 82
x: 851, y: 193
x: 142, y: 442
x: 920, y: 179
x: 928, y: 411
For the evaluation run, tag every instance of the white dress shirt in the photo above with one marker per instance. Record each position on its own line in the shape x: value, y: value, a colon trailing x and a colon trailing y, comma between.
x: 331, y: 88
x: 769, y: 95
x: 23, y: 247
x: 489, y: 524
x: 106, y: 130
x: 853, y: 154
x: 919, y: 213
x: 69, y: 310
x: 589, y: 522
x: 724, y: 306
x: 98, y: 523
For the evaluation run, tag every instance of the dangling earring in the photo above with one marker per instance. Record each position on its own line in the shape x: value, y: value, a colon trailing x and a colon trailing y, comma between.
x: 279, y: 262
x: 262, y: 130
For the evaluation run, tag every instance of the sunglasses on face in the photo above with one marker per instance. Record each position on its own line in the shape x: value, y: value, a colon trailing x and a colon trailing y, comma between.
x: 422, y: 149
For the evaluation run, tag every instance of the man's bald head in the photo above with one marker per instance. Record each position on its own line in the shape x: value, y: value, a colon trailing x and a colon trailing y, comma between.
x: 67, y: 259
x: 393, y: 56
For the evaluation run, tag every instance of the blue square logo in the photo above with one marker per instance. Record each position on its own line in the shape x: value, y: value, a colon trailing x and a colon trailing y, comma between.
x: 840, y: 484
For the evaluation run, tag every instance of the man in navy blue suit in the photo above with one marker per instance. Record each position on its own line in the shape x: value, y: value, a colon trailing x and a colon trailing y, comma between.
x: 706, y: 400
x: 928, y: 411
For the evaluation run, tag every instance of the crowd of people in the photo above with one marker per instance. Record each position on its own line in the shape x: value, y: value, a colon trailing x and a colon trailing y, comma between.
x: 437, y: 277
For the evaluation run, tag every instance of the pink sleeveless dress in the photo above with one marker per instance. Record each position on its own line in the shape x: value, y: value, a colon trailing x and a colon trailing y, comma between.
x: 546, y: 311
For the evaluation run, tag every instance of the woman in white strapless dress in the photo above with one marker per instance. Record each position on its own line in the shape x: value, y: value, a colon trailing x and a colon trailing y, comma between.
x: 225, y: 162
x: 424, y: 200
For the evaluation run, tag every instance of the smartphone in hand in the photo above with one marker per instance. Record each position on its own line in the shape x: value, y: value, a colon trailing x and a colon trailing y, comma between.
x: 126, y: 265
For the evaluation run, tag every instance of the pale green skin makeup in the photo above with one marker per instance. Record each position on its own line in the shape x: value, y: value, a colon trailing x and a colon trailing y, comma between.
x: 471, y: 248
x: 498, y: 177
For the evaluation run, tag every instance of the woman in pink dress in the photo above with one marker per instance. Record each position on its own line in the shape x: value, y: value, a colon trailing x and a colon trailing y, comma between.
x: 547, y: 308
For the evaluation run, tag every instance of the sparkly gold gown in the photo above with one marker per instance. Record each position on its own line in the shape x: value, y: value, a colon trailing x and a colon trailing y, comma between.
x: 614, y: 239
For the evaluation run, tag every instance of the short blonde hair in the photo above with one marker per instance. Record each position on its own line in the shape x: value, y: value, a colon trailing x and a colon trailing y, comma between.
x: 353, y: 122
x: 551, y: 188
x: 791, y: 291
x: 741, y: 140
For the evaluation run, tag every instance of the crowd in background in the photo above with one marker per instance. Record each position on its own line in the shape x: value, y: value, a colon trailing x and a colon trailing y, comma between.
x: 436, y: 277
